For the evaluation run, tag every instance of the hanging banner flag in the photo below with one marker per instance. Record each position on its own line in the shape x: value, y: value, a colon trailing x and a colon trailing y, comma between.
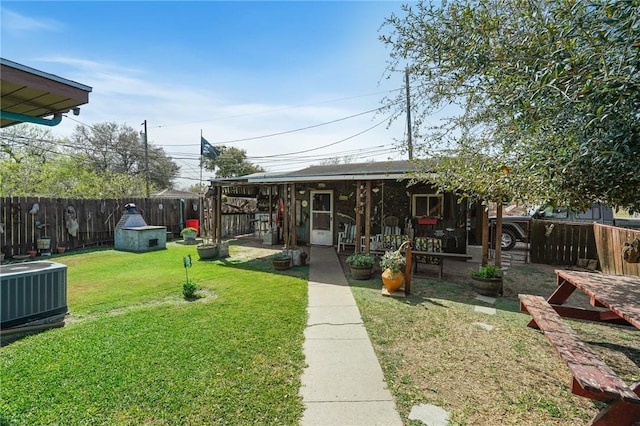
x: 208, y: 150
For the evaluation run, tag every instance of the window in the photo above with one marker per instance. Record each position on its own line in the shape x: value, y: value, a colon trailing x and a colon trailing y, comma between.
x: 592, y: 213
x: 430, y: 205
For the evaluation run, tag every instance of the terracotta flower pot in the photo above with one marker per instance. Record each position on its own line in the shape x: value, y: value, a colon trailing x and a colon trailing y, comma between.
x: 392, y: 280
x: 61, y: 250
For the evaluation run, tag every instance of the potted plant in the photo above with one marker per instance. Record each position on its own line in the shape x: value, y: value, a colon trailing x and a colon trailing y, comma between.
x: 207, y: 250
x: 392, y: 264
x: 361, y: 265
x: 189, y: 234
x: 281, y: 261
x: 487, y: 280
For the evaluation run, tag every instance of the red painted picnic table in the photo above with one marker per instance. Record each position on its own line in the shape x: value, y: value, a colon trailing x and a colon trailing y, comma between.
x: 620, y: 295
x: 616, y: 299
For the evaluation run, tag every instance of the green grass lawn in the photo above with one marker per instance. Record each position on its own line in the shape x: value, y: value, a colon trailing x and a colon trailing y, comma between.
x: 137, y: 353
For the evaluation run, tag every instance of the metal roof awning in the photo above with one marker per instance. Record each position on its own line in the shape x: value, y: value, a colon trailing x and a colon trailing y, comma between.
x: 30, y: 96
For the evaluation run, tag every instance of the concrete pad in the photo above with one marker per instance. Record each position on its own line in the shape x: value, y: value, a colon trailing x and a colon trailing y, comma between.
x: 370, y: 413
x: 342, y: 370
x: 430, y: 415
x: 486, y: 299
x: 484, y: 326
x: 323, y: 296
x: 485, y: 310
x: 336, y: 332
x: 333, y: 315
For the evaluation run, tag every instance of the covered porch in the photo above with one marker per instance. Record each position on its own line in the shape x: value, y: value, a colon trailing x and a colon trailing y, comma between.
x: 354, y: 207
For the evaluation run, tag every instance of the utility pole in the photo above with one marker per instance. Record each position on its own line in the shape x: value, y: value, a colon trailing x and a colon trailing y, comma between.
x: 146, y: 160
x: 409, y: 141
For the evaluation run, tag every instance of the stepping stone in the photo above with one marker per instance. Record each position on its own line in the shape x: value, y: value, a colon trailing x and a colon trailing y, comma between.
x: 486, y: 299
x: 484, y: 326
x: 485, y: 310
x: 430, y: 415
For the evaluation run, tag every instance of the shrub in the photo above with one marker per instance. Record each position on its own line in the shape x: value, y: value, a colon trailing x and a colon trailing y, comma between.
x: 189, y: 289
x: 393, y: 260
x: 281, y: 256
x: 188, y: 230
x: 489, y: 271
x: 361, y: 260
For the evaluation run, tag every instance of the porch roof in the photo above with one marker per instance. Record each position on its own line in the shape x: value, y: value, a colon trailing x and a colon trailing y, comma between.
x: 28, y: 95
x: 335, y: 172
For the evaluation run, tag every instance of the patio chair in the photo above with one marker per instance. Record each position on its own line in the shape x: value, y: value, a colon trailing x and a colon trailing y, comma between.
x: 347, y: 237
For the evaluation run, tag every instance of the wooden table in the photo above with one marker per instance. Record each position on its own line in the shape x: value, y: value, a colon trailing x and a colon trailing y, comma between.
x: 619, y: 295
x: 615, y: 299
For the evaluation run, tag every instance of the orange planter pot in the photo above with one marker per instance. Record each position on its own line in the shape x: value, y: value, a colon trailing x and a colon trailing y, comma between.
x: 392, y: 281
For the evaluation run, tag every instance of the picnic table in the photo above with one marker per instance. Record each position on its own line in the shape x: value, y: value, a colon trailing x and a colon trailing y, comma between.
x: 615, y: 299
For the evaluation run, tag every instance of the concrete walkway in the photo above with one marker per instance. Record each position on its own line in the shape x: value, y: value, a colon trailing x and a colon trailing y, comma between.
x: 343, y: 382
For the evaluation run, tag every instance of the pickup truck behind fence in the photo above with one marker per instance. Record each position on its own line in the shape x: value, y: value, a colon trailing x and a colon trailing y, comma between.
x: 518, y: 228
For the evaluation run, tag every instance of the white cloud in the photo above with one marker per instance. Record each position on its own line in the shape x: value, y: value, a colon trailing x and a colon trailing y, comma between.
x: 16, y: 24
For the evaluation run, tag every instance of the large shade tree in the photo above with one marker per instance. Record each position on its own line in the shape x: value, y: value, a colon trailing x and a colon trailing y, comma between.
x: 33, y: 162
x: 544, y: 97
x: 113, y: 148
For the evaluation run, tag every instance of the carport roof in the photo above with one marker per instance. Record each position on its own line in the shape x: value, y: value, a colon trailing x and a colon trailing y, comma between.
x: 29, y: 94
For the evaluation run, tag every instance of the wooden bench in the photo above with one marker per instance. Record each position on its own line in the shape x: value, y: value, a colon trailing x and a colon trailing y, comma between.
x: 437, y: 255
x: 592, y: 377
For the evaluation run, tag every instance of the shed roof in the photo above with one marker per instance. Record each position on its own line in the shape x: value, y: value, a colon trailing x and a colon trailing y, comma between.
x: 28, y: 94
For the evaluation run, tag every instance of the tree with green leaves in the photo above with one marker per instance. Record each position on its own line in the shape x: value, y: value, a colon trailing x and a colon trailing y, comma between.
x: 113, y: 148
x: 545, y: 97
x: 35, y: 163
x: 231, y: 162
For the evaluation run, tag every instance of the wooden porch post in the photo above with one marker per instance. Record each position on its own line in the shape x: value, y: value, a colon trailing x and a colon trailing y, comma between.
x: 218, y: 214
x: 294, y: 233
x: 271, y: 208
x: 498, y: 237
x: 367, y: 219
x: 358, y: 216
x: 485, y: 234
x: 285, y: 215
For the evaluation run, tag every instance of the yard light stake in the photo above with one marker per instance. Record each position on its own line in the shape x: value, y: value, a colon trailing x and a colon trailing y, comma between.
x: 187, y: 264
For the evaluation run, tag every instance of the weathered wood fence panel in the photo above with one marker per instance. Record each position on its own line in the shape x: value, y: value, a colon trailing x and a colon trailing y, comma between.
x: 562, y: 243
x: 26, y: 219
x: 237, y: 224
x: 610, y: 241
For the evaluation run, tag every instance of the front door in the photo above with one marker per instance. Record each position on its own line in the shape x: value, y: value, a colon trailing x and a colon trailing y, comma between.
x: 322, y: 218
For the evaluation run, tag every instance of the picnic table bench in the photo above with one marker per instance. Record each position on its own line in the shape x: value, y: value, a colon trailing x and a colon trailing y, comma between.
x: 592, y: 377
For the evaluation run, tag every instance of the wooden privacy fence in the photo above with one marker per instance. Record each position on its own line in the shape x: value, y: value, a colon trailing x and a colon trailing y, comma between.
x: 610, y: 241
x: 26, y: 219
x: 562, y: 243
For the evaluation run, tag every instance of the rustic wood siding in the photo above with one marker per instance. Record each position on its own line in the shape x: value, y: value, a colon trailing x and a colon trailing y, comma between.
x: 610, y: 241
x: 567, y: 242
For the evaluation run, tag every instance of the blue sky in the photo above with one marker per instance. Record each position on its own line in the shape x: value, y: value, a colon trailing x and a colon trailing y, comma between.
x: 233, y: 70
